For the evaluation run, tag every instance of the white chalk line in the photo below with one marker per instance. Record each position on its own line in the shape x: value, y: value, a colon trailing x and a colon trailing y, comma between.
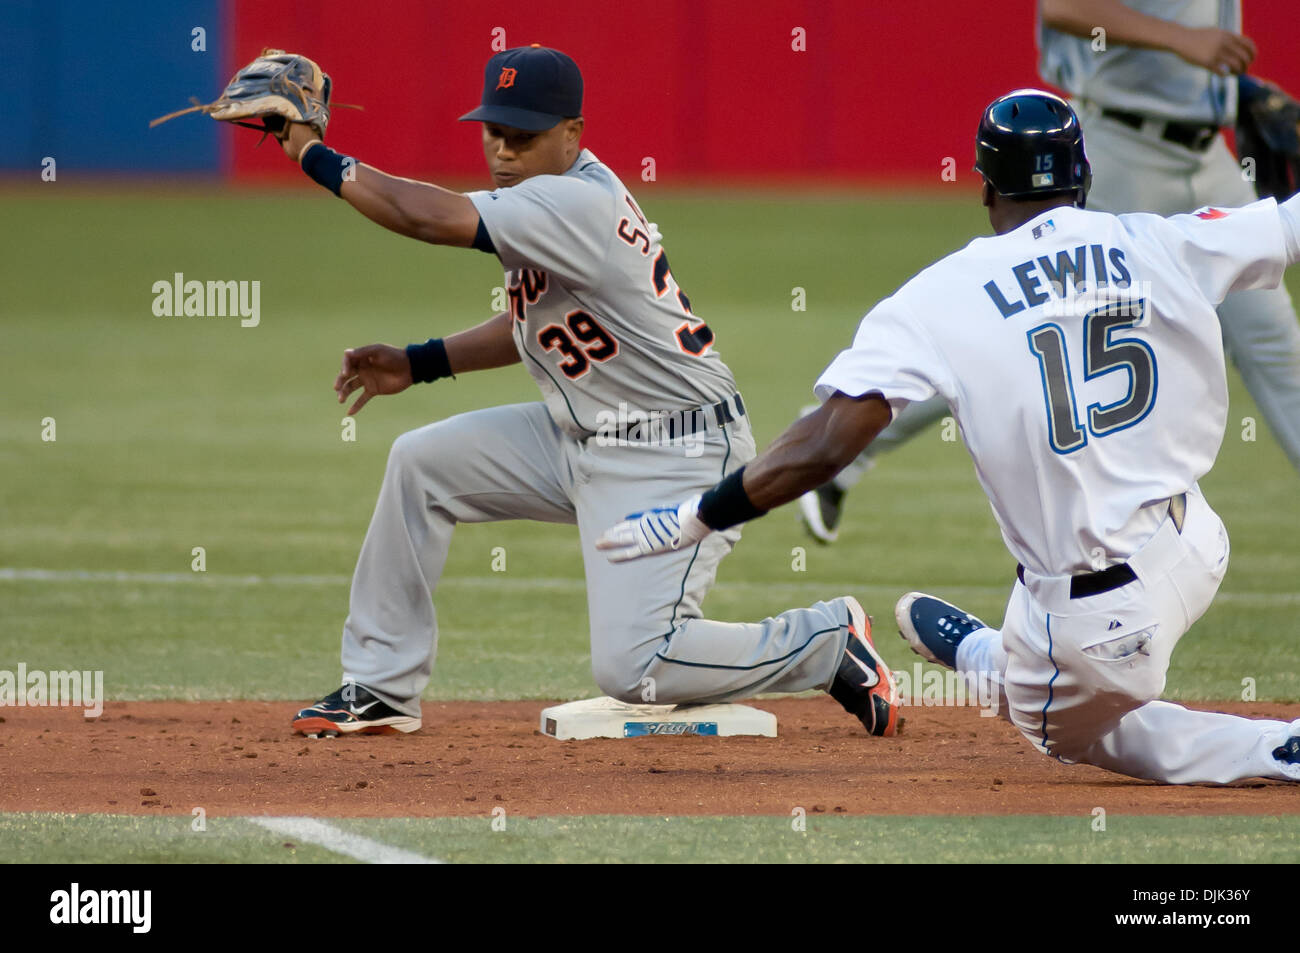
x: 504, y: 582
x: 318, y: 832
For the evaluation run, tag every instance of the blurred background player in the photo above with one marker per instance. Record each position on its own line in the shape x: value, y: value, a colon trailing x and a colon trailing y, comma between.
x: 1153, y: 93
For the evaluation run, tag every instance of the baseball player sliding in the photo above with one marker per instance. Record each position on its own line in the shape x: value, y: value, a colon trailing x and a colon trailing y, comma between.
x: 1082, y: 358
x: 1153, y: 93
x: 637, y: 405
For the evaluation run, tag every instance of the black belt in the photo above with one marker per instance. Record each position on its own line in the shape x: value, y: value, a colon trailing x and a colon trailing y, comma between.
x: 1087, y: 584
x: 725, y: 411
x: 1094, y: 583
x: 659, y: 425
x: 1190, y: 135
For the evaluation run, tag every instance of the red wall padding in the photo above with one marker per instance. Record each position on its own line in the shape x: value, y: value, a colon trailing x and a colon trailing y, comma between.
x: 711, y: 89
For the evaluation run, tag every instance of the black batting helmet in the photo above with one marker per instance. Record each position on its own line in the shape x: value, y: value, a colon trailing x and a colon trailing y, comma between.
x: 1030, y: 145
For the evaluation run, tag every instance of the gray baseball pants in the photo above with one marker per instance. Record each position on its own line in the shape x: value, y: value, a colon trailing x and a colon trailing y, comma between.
x: 648, y: 640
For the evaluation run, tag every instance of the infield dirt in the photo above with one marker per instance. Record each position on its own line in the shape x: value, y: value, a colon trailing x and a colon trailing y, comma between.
x: 240, y: 758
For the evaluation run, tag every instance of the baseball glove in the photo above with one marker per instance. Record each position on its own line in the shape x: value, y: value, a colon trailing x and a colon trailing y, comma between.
x: 1268, y: 131
x: 276, y: 89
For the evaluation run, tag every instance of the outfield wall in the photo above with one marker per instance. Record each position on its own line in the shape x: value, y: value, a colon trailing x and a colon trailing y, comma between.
x: 711, y: 90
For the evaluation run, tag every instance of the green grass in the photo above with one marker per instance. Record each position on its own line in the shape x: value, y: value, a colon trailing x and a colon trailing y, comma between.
x: 101, y: 838
x: 175, y: 433
x: 123, y: 839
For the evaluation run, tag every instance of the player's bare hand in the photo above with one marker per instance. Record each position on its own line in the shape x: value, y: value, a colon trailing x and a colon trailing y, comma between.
x: 1220, y: 51
x: 294, y: 137
x: 373, y: 369
x: 656, y: 531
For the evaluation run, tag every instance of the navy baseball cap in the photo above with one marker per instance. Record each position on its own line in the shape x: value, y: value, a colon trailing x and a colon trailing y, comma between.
x: 529, y: 87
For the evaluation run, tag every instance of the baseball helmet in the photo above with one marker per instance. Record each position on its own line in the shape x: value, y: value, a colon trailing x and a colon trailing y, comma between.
x: 1030, y: 145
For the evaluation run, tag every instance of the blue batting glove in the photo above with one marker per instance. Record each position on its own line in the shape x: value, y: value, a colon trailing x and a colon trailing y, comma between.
x: 660, y: 530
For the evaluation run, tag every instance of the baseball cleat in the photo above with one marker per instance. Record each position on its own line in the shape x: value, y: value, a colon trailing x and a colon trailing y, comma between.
x: 352, y: 709
x: 934, y: 628
x: 864, y: 685
x: 820, y: 511
x: 1289, y: 753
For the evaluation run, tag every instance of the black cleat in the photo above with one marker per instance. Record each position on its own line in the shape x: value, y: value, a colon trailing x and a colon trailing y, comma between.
x: 352, y: 709
x: 864, y: 685
x: 1289, y: 753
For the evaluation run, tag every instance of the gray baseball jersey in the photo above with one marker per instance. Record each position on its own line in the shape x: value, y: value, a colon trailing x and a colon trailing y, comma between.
x: 1153, y: 83
x: 599, y: 319
x: 606, y: 332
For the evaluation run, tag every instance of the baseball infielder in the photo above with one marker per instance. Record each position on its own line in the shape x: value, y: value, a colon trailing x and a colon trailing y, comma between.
x: 638, y: 405
x: 1081, y: 356
x: 1152, y: 101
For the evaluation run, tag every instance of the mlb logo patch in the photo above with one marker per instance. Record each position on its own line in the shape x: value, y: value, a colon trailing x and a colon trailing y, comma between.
x: 1043, y: 180
x: 1046, y: 228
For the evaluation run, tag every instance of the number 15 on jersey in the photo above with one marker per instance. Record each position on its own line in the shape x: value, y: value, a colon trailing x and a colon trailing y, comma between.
x: 1103, y: 353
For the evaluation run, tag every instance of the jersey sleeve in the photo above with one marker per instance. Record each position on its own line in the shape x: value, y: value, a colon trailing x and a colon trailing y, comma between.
x: 891, y: 353
x: 1225, y: 250
x: 558, y: 224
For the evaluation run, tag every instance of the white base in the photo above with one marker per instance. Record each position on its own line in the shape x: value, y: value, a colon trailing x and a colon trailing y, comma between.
x: 607, y: 718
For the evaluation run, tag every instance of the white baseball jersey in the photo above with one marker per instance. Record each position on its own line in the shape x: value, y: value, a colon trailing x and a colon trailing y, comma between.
x: 1081, y: 356
x: 1153, y: 83
x: 599, y: 318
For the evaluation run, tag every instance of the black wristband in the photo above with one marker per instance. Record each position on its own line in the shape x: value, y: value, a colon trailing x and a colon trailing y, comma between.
x: 325, y: 166
x: 428, y: 361
x: 727, y: 503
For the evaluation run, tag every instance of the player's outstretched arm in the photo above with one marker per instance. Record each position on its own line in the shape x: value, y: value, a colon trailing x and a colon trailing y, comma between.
x: 383, y: 369
x: 810, y: 452
x: 1219, y: 50
x: 414, y: 209
x: 815, y: 448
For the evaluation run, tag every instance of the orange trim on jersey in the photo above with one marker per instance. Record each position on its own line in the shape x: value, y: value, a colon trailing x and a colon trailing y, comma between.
x: 687, y: 331
x: 636, y: 211
x: 562, y: 341
x: 657, y: 281
x: 524, y: 290
x: 533, y: 282
x: 605, y: 339
x: 636, y: 236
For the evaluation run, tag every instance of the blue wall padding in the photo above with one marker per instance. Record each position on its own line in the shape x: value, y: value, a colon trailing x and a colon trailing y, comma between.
x: 80, y: 80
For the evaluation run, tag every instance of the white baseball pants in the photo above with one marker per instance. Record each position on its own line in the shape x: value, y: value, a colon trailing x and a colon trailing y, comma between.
x: 1081, y: 677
